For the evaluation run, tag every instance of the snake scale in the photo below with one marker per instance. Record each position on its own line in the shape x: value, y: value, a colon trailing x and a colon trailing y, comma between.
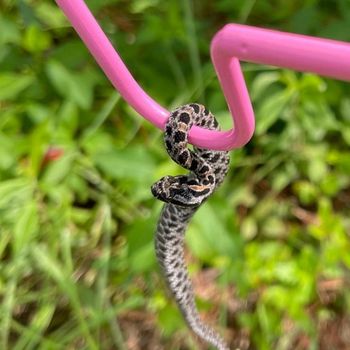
x: 183, y: 195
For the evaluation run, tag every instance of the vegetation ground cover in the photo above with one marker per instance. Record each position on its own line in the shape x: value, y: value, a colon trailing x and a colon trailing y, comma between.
x: 269, y: 253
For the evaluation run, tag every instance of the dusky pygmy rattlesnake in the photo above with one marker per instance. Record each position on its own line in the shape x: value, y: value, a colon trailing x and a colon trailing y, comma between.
x: 183, y: 195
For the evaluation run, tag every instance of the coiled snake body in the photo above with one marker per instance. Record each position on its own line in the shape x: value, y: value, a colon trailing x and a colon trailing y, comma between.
x: 183, y: 195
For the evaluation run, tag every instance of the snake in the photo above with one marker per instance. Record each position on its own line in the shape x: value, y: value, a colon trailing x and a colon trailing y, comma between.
x: 183, y: 195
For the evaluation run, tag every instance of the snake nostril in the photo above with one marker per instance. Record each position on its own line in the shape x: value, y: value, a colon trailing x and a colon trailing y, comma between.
x: 154, y: 190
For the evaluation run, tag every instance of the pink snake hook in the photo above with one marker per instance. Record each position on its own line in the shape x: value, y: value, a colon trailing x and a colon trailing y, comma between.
x: 231, y: 44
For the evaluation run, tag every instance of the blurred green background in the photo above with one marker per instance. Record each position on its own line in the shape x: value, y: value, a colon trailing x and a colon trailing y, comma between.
x: 269, y: 253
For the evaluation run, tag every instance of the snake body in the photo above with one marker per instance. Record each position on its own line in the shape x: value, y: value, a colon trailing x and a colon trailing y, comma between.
x: 183, y: 195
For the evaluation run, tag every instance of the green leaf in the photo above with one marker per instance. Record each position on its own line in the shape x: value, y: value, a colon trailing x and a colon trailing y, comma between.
x: 36, y: 40
x: 317, y: 169
x: 74, y: 87
x: 9, y: 31
x: 12, y: 84
x: 169, y: 319
x: 14, y: 193
x: 306, y: 192
x: 271, y: 110
x: 262, y: 82
x: 26, y: 227
x: 208, y: 236
x: 39, y: 324
x: 51, y: 15
x: 287, y: 272
x: 133, y: 163
x: 57, y: 171
x: 142, y: 5
x: 143, y: 259
x: 249, y: 228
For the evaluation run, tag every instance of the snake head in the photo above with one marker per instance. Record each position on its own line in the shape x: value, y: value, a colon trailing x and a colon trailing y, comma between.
x: 179, y: 190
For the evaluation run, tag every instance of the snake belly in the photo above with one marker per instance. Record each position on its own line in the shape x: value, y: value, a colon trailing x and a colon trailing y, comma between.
x: 183, y: 195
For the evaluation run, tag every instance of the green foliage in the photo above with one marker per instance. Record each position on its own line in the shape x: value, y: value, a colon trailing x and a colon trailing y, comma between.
x: 76, y: 229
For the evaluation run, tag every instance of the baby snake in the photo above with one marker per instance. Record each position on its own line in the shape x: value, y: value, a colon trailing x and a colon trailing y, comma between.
x: 183, y: 195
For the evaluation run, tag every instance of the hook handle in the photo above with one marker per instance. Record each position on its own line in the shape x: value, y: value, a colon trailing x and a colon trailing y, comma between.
x: 232, y: 43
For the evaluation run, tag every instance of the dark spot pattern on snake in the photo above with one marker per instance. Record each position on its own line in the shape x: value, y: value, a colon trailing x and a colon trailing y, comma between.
x: 183, y: 195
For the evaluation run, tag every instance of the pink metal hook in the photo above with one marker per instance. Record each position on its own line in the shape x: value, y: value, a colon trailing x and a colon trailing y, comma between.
x: 232, y: 43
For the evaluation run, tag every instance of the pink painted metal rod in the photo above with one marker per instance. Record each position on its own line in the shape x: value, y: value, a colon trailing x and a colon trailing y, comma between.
x: 237, y: 42
x: 326, y: 57
x: 233, y: 42
x: 100, y: 47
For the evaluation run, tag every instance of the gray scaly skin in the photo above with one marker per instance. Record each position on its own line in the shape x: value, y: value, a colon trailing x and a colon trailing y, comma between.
x: 183, y: 195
